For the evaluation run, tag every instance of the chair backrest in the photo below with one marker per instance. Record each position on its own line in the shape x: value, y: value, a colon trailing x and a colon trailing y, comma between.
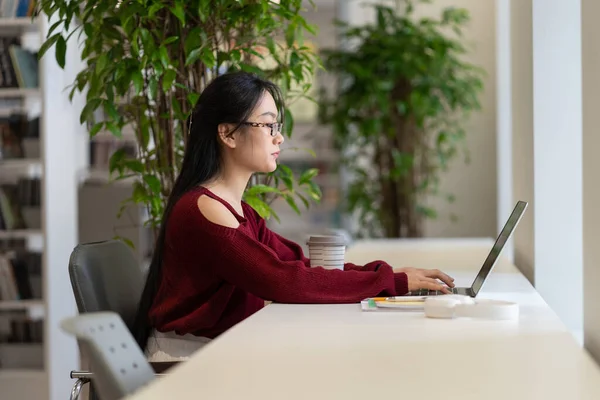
x: 118, y: 363
x: 105, y: 276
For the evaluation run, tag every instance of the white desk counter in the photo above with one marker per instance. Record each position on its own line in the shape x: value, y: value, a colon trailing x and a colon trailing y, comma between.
x: 339, y: 352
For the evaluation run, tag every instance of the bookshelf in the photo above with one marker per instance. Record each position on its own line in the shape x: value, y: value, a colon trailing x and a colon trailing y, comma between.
x: 17, y: 26
x: 28, y: 305
x: 41, y: 168
x: 16, y: 92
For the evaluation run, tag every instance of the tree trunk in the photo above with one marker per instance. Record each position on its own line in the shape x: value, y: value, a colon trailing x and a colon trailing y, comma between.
x: 400, y: 216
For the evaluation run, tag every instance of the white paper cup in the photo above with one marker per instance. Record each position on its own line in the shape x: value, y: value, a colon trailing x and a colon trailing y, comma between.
x: 327, y: 251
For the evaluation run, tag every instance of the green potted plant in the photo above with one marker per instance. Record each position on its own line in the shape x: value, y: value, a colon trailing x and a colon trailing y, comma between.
x: 147, y: 61
x: 405, y: 92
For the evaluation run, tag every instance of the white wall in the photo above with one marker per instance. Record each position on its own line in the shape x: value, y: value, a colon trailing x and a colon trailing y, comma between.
x: 504, y: 121
x: 557, y: 123
x: 473, y: 184
x: 591, y: 167
x: 60, y: 137
x: 522, y: 130
x: 548, y: 145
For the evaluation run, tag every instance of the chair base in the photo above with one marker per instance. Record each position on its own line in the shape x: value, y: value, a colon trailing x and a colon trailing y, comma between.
x: 82, y: 377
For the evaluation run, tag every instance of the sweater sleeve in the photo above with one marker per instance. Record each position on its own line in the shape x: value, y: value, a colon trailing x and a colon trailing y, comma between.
x: 256, y: 268
x: 371, y: 266
x: 288, y: 250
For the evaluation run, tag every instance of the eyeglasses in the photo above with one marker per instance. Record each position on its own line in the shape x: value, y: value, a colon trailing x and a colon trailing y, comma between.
x: 276, y: 127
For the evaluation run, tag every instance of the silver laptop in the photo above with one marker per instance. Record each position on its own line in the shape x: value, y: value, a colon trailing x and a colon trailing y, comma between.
x: 489, y: 262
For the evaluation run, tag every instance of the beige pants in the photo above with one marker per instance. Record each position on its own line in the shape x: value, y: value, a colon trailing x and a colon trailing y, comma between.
x: 169, y: 346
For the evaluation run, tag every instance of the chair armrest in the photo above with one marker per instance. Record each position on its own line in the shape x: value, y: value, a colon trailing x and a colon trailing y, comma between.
x: 81, y: 375
x: 159, y: 368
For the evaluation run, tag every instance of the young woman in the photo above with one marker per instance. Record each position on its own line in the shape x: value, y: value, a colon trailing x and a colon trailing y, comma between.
x: 215, y: 262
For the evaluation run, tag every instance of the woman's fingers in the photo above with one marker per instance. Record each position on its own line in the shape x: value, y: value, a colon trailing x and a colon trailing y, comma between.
x: 436, y: 273
x: 433, y: 284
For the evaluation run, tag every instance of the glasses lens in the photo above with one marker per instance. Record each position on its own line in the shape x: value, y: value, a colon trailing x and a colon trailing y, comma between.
x: 276, y: 128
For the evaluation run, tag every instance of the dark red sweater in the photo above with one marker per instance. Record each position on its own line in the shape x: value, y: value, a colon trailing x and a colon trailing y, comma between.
x: 214, y: 277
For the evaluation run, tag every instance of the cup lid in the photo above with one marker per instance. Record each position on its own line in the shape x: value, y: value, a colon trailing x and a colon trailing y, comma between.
x: 335, y: 240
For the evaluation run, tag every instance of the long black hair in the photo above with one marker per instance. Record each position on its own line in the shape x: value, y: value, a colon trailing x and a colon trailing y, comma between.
x: 229, y: 98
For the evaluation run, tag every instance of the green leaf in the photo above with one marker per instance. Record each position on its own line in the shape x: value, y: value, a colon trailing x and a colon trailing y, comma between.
x: 153, y: 87
x: 54, y: 26
x: 290, y: 34
x: 114, y: 129
x: 101, y: 63
x: 304, y: 200
x: 308, y: 175
x: 134, y: 165
x: 47, y: 44
x: 295, y: 60
x: 177, y: 108
x: 154, y: 8
x: 193, y: 40
x: 193, y: 98
x: 168, y: 79
x: 288, y: 182
x: 288, y: 125
x: 314, y: 192
x: 285, y: 170
x: 261, y: 189
x: 138, y: 81
x: 179, y: 12
x: 259, y: 206
x: 208, y: 57
x: 128, y: 242
x: 139, y: 192
x: 292, y: 204
x: 111, y: 110
x: 171, y: 39
x: 116, y: 161
x: 96, y: 128
x: 271, y: 45
x: 164, y: 56
x: 193, y: 56
x: 88, y: 110
x: 427, y: 211
x: 153, y: 183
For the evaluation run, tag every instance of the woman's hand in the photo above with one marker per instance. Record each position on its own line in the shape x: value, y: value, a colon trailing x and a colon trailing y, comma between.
x: 426, y: 279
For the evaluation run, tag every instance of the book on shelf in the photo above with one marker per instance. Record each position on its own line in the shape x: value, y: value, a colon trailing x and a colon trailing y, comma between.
x: 20, y: 204
x: 20, y: 276
x: 16, y: 8
x: 18, y: 327
x: 18, y: 65
x: 21, y: 340
x: 19, y: 136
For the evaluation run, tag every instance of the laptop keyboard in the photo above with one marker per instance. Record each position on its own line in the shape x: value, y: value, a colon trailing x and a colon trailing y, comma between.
x: 427, y: 292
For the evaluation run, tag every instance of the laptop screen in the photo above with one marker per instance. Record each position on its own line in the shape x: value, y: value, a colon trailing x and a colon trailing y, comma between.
x: 503, y: 237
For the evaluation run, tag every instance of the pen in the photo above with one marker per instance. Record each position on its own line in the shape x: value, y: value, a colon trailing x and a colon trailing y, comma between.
x: 401, y: 299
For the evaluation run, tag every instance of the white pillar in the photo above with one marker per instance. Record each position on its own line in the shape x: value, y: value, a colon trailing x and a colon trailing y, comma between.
x: 591, y: 178
x: 59, y: 216
x: 514, y: 139
x: 505, y: 199
x: 522, y: 131
x: 557, y: 155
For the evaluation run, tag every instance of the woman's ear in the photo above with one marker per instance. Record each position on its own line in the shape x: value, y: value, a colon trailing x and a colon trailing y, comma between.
x: 226, y: 135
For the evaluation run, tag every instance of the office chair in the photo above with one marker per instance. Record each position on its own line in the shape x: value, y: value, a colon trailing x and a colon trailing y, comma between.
x: 120, y: 367
x: 105, y: 276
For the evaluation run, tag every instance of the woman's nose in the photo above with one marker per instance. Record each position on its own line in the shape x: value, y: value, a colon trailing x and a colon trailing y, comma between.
x: 279, y: 138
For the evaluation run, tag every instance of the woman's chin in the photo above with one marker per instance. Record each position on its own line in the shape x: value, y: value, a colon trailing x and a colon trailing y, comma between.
x: 272, y: 167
